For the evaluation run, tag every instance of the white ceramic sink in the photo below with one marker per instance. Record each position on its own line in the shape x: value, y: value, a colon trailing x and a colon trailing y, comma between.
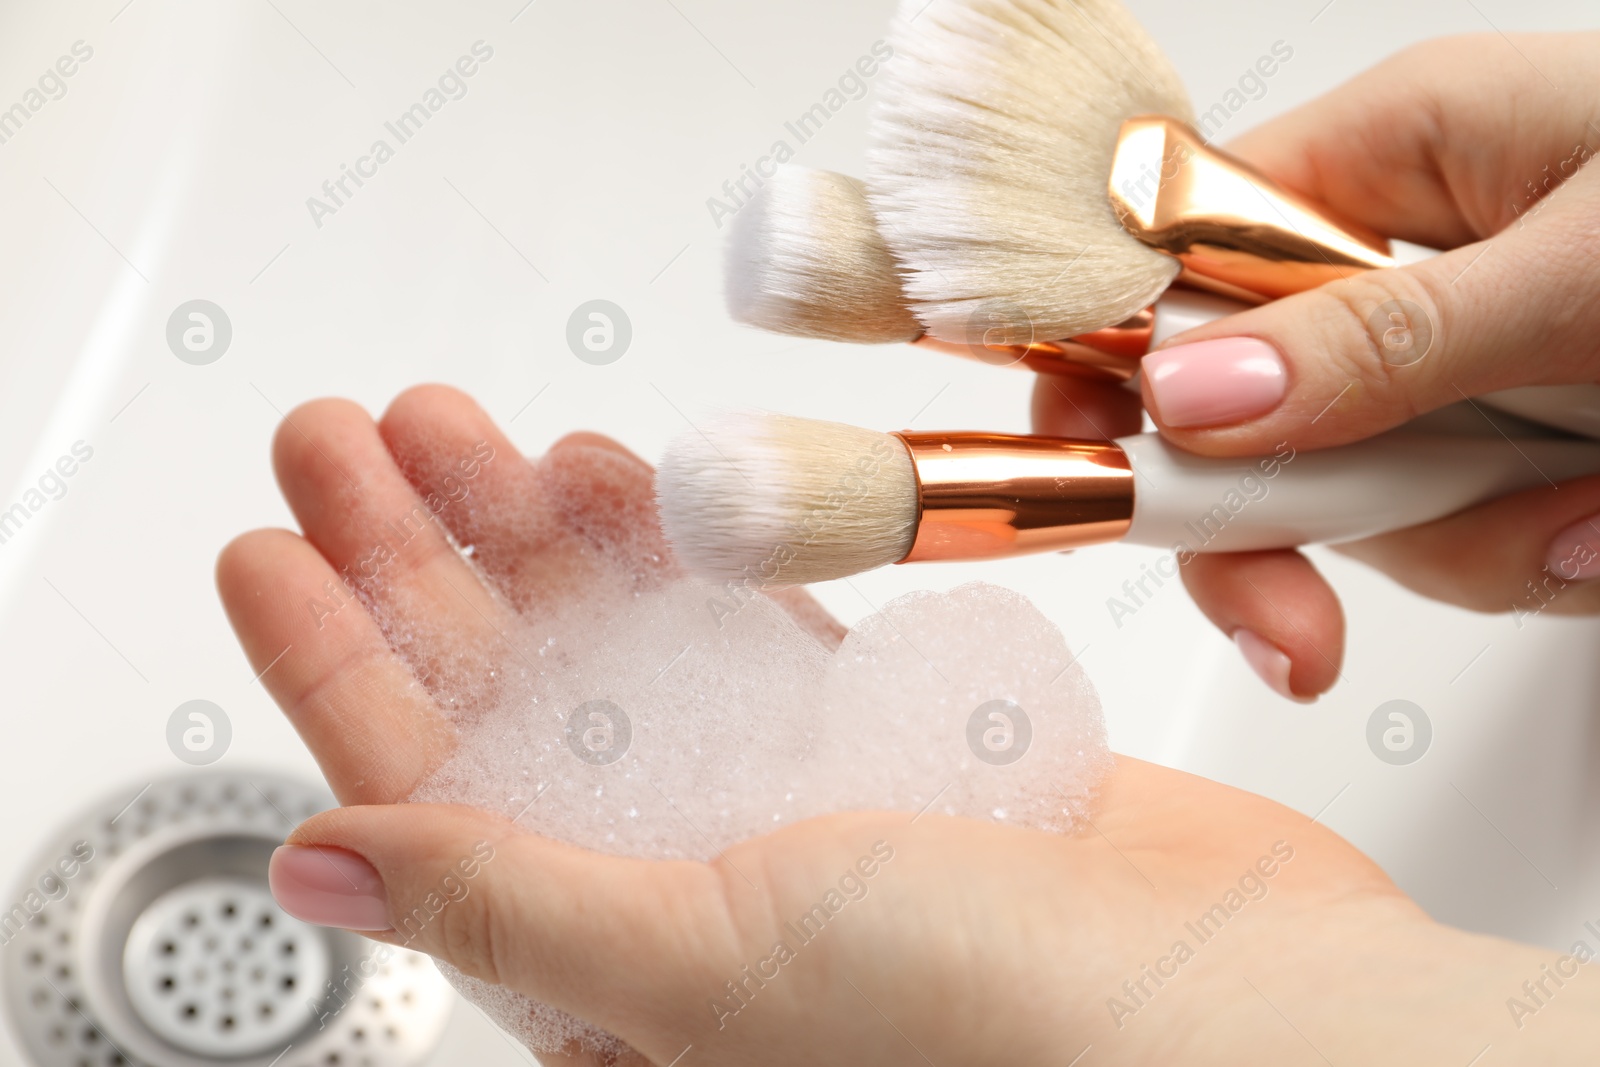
x: 177, y: 166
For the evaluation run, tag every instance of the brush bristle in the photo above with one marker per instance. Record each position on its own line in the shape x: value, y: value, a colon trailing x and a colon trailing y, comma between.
x: 805, y: 258
x: 776, y: 500
x: 993, y: 138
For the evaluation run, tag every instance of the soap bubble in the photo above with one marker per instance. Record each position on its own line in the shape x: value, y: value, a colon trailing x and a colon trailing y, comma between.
x: 599, y: 733
x: 999, y: 733
x: 665, y: 717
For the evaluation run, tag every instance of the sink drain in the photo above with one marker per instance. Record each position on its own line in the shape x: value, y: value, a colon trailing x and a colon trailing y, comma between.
x: 144, y: 934
x: 216, y: 968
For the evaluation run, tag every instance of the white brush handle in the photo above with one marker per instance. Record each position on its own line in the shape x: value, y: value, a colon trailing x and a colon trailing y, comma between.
x: 1405, y: 253
x: 1388, y: 482
x: 1574, y: 408
x: 1184, y: 309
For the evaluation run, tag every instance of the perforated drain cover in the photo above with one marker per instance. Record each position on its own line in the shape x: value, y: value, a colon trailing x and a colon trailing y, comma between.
x: 144, y: 934
x: 215, y: 967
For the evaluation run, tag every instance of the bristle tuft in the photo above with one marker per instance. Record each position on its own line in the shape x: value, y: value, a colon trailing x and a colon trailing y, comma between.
x: 775, y: 500
x: 993, y: 139
x: 805, y: 258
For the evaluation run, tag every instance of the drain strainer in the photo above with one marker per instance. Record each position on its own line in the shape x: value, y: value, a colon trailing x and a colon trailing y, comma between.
x: 144, y: 934
x: 216, y: 968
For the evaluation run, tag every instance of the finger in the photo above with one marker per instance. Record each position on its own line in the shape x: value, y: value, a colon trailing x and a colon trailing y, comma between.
x: 540, y: 532
x: 585, y: 439
x: 1072, y: 407
x: 1281, y: 613
x: 534, y: 528
x: 1401, y: 148
x: 1535, y: 552
x: 612, y: 941
x: 811, y: 616
x: 1370, y: 352
x: 373, y: 731
x: 359, y: 511
x: 796, y: 601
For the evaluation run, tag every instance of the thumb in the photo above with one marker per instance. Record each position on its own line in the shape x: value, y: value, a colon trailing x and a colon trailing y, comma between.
x: 1370, y: 352
x: 609, y: 940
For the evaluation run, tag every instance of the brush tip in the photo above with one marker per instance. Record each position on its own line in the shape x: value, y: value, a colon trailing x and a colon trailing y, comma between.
x: 777, y: 500
x: 804, y: 257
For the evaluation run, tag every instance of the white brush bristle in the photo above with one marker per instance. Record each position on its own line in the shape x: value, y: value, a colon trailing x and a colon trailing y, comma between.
x: 805, y: 257
x: 776, y: 500
x: 993, y: 137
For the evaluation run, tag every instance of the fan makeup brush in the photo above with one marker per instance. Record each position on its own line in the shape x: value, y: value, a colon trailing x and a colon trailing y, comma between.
x: 1057, y: 206
x: 806, y: 258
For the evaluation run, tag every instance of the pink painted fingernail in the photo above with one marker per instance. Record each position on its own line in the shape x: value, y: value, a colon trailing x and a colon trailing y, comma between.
x: 1212, y: 383
x: 328, y: 887
x: 1575, y: 553
x: 1270, y: 663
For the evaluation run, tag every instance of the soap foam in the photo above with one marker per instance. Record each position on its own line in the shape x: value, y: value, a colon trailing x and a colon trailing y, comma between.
x: 734, y: 720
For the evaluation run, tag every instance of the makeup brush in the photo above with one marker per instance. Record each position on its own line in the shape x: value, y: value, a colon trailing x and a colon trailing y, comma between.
x: 1033, y: 165
x: 806, y: 258
x: 965, y: 145
x: 783, y: 501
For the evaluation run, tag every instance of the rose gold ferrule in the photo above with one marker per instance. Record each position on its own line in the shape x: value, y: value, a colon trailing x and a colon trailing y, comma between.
x: 1235, y: 230
x: 987, y: 495
x: 1108, y: 355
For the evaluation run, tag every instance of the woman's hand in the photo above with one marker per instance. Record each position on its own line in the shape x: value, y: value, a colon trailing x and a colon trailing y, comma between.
x: 1475, y: 144
x: 1189, y: 924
